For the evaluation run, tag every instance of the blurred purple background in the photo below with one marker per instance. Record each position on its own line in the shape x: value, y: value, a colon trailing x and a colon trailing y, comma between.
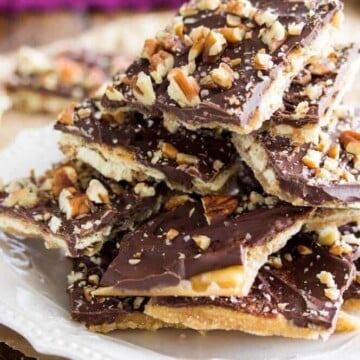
x: 107, y: 5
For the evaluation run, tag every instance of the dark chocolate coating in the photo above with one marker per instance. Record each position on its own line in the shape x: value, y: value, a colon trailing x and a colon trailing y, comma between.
x: 295, y: 286
x: 143, y: 138
x: 164, y: 263
x: 97, y: 310
x: 124, y: 209
x: 216, y: 104
x: 296, y: 179
x: 330, y: 82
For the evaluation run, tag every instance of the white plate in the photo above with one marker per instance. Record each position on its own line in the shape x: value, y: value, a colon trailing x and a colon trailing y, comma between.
x: 33, y: 301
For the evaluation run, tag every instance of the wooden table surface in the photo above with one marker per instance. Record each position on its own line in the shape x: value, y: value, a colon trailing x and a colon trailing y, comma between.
x: 38, y: 29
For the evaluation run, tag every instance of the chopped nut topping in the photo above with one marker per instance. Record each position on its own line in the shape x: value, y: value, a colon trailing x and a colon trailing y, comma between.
x: 218, y: 165
x: 66, y: 117
x: 176, y: 201
x: 218, y: 207
x: 350, y: 140
x: 304, y: 250
x: 172, y: 126
x: 332, y: 293
x: 143, y: 90
x: 26, y: 197
x: 295, y: 29
x: 274, y: 36
x: 233, y: 20
x: 275, y: 262
x: 232, y: 35
x: 313, y: 92
x: 94, y: 279
x: 64, y: 177
x: 138, y: 302
x: 183, y: 88
x: 301, y: 109
x: 97, y: 192
x: 172, y: 234
x: 214, y: 46
x: 326, y: 278
x: 150, y: 48
x: 160, y: 65
x: 208, y: 4
x: 186, y: 159
x: 323, y: 66
x: 32, y: 61
x: 262, y: 61
x: 198, y: 36
x: 144, y: 190
x: 202, y: 241
x: 334, y: 151
x: 242, y: 8
x: 134, y: 261
x: 329, y: 235
x: 113, y: 95
x: 169, y: 150
x: 265, y: 18
x: 73, y: 204
x: 223, y: 76
x: 54, y: 224
x: 312, y: 159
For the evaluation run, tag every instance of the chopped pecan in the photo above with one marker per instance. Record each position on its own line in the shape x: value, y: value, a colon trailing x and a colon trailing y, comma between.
x: 214, y: 46
x: 218, y: 208
x: 223, y: 76
x: 66, y: 117
x: 63, y: 178
x: 350, y: 140
x: 73, y: 204
x: 183, y: 89
x: 176, y: 201
x: 208, y: 4
x: 150, y: 48
x: 232, y: 35
x: 169, y: 150
x: 202, y: 241
x: 160, y: 65
x: 26, y: 197
x: 97, y: 192
x: 144, y: 90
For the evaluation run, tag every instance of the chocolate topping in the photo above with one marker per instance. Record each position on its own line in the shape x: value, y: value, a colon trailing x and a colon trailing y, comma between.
x: 213, y: 92
x: 121, y: 212
x: 100, y: 310
x: 318, y: 86
x: 145, y: 138
x: 73, y: 74
x: 292, y: 289
x: 297, y: 179
x: 195, y: 238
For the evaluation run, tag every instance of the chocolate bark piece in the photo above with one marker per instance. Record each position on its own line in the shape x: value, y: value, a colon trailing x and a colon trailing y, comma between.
x: 352, y: 295
x: 49, y: 82
x: 322, y: 174
x: 202, y: 248
x: 315, y: 93
x: 126, y: 146
x: 226, y: 64
x: 104, y: 314
x: 297, y: 294
x: 75, y: 208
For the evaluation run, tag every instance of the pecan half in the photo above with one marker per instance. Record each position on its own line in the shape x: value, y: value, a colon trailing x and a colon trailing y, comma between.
x: 218, y: 207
